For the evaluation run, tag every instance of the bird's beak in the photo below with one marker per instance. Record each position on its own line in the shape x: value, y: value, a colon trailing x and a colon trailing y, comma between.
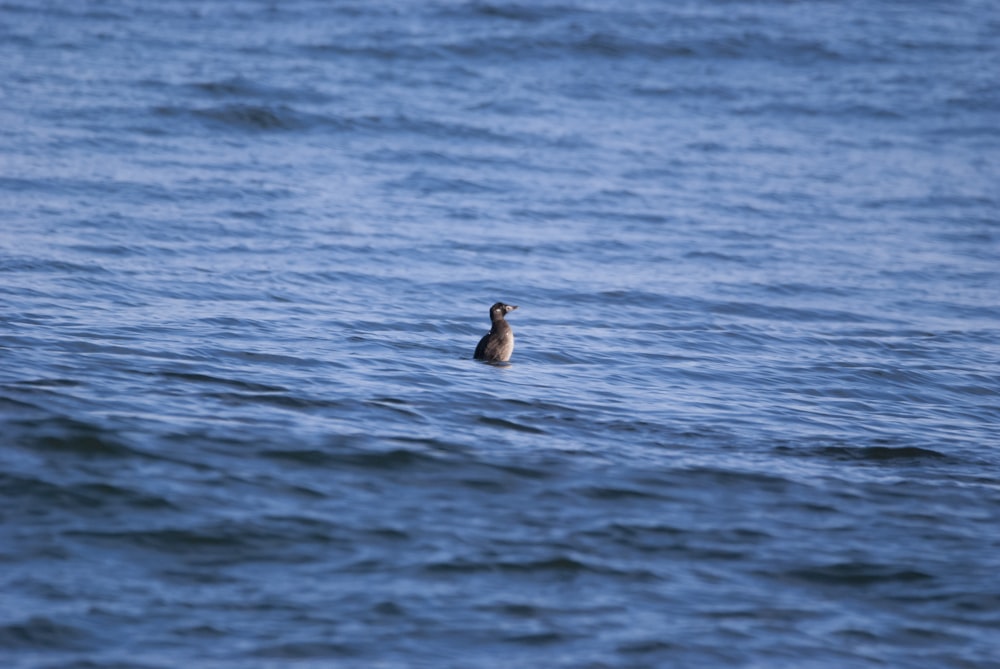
x: 511, y: 307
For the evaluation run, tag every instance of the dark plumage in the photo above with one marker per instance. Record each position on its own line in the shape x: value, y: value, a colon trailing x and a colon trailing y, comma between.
x: 499, y: 343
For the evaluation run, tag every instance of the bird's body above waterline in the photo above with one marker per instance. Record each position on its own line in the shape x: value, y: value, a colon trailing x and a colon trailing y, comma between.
x: 499, y: 343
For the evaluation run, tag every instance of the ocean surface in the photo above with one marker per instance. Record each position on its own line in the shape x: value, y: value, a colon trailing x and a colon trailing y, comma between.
x: 752, y: 418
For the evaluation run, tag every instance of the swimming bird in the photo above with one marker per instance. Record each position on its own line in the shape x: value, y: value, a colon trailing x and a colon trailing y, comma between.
x: 499, y: 343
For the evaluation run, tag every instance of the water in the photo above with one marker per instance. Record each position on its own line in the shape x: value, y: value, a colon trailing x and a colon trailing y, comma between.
x: 751, y: 419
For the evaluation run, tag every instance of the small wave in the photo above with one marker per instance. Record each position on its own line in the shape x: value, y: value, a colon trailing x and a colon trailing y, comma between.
x: 503, y: 423
x: 556, y: 565
x: 310, y: 457
x: 539, y: 638
x: 249, y: 117
x: 36, y: 264
x: 199, y: 378
x: 527, y: 13
x: 881, y: 453
x: 303, y: 650
x: 76, y: 496
x: 42, y: 633
x: 426, y: 184
x: 714, y: 256
x: 689, y: 91
x: 854, y: 111
x: 67, y: 436
x: 859, y: 574
x: 255, y: 117
x: 246, y: 89
x: 618, y: 493
x: 598, y: 36
x: 390, y: 459
x: 432, y: 127
x: 784, y: 314
x: 217, y: 542
x: 731, y: 478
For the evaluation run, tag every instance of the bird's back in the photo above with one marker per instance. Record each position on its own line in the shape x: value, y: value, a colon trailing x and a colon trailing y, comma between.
x: 496, y: 346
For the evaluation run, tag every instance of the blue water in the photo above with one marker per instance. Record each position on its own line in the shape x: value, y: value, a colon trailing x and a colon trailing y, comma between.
x: 751, y: 418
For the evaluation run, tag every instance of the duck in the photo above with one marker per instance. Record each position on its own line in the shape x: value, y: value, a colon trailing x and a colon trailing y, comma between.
x: 498, y: 344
